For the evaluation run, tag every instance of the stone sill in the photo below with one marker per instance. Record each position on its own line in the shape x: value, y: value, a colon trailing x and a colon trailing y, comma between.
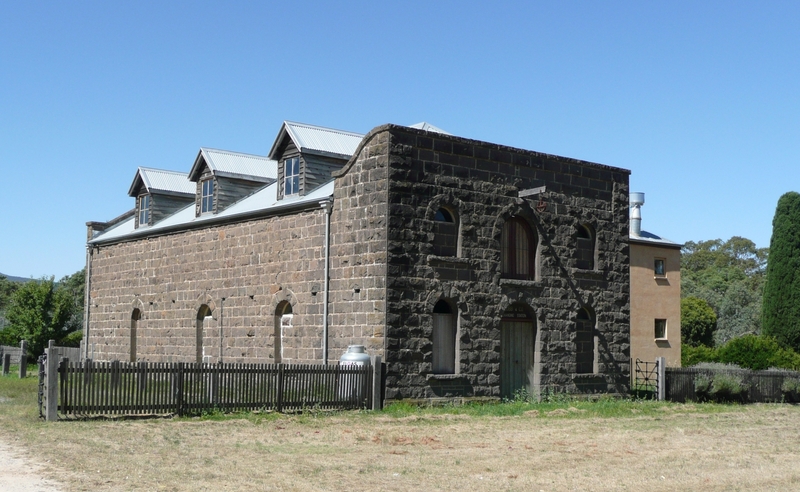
x: 448, y: 259
x: 446, y: 377
x: 579, y: 272
x: 519, y: 283
x: 588, y: 378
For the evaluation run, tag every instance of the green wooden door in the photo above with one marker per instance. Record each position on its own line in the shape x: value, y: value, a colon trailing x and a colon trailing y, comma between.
x: 516, y: 357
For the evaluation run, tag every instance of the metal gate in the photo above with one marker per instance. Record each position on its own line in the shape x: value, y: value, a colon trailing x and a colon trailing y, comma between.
x: 645, y: 379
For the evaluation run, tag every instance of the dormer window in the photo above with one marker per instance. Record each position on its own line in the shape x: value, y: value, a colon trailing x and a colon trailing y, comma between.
x: 144, y: 210
x: 207, y: 197
x: 291, y: 176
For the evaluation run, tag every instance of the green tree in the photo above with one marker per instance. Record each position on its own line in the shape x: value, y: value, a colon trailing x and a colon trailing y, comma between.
x: 7, y: 288
x: 729, y: 276
x: 75, y: 286
x: 698, y: 322
x: 39, y: 311
x: 781, y: 310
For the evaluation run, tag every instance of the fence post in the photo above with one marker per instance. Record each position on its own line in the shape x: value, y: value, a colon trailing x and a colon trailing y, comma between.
x: 23, y: 359
x: 215, y: 369
x: 280, y: 388
x: 115, y: 376
x: 661, y: 378
x: 177, y: 387
x: 6, y: 364
x: 51, y: 411
x: 376, y: 382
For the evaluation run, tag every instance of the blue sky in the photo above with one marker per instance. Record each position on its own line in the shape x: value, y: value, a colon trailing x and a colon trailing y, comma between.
x: 700, y: 100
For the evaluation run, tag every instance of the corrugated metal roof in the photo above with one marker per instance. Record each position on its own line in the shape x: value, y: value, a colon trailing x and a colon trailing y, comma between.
x: 649, y: 237
x: 428, y: 128
x: 166, y: 181
x: 325, y: 140
x: 225, y: 162
x: 264, y: 200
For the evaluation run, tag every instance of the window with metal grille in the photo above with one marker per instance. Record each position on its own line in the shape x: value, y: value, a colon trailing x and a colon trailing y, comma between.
x: 584, y: 342
x: 445, y: 233
x: 585, y: 248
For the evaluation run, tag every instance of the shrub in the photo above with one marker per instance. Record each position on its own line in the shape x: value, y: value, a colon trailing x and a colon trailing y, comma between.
x: 720, y: 386
x: 691, y: 356
x: 72, y: 340
x: 754, y: 352
x: 791, y: 390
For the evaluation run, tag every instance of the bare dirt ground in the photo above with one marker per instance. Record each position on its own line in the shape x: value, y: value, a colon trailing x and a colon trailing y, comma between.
x: 679, y: 447
x: 19, y: 473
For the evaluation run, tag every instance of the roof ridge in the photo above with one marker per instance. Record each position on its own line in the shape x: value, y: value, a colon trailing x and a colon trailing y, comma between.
x: 144, y: 168
x: 233, y: 152
x: 325, y: 128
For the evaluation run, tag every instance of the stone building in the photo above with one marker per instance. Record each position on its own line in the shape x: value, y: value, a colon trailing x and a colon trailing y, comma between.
x: 473, y: 269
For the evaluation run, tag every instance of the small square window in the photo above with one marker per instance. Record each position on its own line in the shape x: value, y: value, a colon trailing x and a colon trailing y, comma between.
x: 660, y: 267
x: 661, y: 329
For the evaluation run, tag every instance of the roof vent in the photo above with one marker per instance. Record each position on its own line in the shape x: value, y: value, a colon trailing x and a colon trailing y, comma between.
x: 636, y: 201
x: 424, y: 125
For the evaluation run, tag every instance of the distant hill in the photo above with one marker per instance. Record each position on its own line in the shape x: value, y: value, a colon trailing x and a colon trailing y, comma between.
x: 15, y: 279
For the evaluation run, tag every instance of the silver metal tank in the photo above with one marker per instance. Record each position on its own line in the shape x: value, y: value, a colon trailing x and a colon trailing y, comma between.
x: 353, y: 386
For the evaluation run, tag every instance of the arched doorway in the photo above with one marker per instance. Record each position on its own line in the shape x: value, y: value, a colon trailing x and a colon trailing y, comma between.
x: 517, y: 344
x: 202, y: 314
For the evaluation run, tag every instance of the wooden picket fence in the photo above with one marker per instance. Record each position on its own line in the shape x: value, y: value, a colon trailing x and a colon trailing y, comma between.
x: 758, y: 386
x: 87, y: 388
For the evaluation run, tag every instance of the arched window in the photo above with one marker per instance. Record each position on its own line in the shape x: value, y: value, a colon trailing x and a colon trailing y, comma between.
x: 136, y: 315
x: 584, y: 342
x: 518, y: 250
x: 444, y: 338
x: 585, y: 249
x: 283, y: 321
x: 203, y: 315
x: 445, y: 233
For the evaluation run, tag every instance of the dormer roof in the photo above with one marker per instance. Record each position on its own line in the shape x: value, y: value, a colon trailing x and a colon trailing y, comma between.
x: 161, y: 181
x: 311, y: 139
x: 230, y: 164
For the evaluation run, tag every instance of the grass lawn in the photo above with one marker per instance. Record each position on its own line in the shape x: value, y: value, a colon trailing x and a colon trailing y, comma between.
x: 560, y: 445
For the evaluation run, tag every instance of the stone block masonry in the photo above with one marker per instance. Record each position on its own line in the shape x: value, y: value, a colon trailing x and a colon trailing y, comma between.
x: 480, y: 183
x: 240, y: 271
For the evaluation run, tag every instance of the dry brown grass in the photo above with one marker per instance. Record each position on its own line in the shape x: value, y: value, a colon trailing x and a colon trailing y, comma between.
x: 678, y: 448
x: 756, y: 449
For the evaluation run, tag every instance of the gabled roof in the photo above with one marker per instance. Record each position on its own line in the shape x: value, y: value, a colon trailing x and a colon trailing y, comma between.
x: 429, y: 128
x: 161, y: 181
x: 317, y: 140
x: 234, y: 165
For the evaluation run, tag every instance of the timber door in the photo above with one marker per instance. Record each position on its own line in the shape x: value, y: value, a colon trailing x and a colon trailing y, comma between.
x: 517, y: 340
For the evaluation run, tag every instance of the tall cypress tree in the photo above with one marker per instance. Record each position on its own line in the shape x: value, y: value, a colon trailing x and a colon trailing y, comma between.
x: 781, y: 305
